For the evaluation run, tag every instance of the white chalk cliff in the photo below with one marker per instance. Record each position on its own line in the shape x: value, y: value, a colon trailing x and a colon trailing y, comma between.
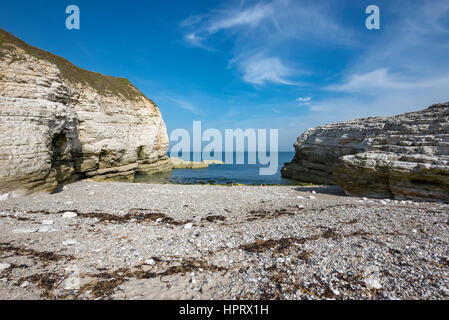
x: 401, y: 157
x: 60, y: 123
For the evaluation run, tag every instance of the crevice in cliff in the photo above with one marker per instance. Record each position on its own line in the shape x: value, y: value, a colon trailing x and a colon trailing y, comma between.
x: 66, y: 157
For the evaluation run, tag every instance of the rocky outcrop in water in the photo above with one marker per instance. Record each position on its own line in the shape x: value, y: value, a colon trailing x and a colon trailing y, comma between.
x: 403, y: 157
x: 60, y: 123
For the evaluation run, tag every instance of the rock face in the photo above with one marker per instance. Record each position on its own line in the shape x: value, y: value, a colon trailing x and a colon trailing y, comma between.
x: 403, y: 157
x: 60, y: 123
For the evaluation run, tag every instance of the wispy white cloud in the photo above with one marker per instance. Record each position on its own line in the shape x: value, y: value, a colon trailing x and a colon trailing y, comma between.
x: 304, y: 101
x: 193, y: 38
x: 261, y: 70
x: 404, y: 67
x: 382, y: 79
x: 402, y: 70
x: 251, y: 16
x: 186, y: 105
x: 259, y: 31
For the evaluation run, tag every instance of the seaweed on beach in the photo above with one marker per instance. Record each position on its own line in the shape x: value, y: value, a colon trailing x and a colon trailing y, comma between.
x: 108, y: 282
x: 264, y: 214
x: 47, y: 282
x: 213, y: 218
x: 16, y: 218
x: 134, y: 215
x: 285, y: 243
x: 44, y: 256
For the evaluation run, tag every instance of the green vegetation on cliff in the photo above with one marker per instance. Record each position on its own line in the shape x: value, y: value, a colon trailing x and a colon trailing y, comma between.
x: 105, y: 85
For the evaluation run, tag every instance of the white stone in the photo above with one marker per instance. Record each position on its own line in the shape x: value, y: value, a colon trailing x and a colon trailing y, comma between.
x: 371, y: 269
x: 188, y: 226
x: 4, y: 266
x: 149, y: 262
x: 46, y: 229
x: 47, y: 222
x: 5, y: 196
x: 69, y: 215
x: 312, y: 197
x: 25, y: 230
x: 25, y: 284
x: 372, y: 283
x: 70, y: 242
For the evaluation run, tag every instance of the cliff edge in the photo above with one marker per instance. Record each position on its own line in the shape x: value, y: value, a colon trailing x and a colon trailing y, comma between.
x: 401, y: 157
x: 60, y: 123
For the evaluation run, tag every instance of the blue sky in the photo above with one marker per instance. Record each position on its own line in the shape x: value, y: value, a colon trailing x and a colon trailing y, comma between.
x: 280, y: 64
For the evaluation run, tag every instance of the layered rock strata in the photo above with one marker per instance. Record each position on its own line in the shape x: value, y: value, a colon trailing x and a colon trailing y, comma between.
x: 402, y: 157
x: 60, y: 123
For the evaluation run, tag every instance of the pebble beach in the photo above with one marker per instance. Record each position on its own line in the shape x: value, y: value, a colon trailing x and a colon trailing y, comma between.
x: 163, y: 241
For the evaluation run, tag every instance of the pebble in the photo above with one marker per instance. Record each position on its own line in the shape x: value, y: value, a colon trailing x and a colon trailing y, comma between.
x: 5, y: 196
x: 188, y: 226
x: 69, y: 214
x: 372, y: 283
x: 149, y: 262
x: 25, y: 284
x: 4, y: 266
x: 70, y: 242
x: 48, y: 222
x: 45, y: 229
x: 25, y: 230
x: 312, y: 197
x: 371, y: 269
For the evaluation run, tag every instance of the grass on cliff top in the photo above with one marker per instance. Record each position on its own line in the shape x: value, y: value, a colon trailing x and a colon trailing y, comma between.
x: 104, y: 85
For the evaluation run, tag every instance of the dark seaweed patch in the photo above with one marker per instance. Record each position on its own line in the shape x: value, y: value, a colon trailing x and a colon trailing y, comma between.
x: 263, y: 214
x: 108, y: 282
x: 44, y: 256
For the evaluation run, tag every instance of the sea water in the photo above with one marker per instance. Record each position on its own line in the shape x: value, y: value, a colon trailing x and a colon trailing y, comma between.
x: 247, y: 174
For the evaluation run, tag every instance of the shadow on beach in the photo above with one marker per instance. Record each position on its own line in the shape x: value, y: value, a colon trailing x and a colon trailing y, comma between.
x: 330, y: 190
